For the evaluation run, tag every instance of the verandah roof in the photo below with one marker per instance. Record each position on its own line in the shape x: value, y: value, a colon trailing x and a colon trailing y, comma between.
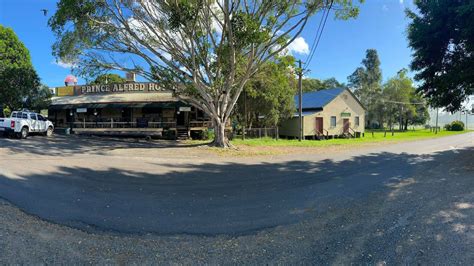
x: 116, y: 100
x: 117, y: 105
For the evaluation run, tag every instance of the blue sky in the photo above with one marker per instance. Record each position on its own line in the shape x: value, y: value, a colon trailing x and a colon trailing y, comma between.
x: 380, y: 25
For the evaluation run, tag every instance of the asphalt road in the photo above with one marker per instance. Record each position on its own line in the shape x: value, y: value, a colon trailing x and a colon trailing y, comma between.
x: 103, y: 185
x: 155, y: 203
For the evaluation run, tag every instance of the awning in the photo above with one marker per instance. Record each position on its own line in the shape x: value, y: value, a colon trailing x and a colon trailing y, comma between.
x: 117, y: 105
x: 117, y: 100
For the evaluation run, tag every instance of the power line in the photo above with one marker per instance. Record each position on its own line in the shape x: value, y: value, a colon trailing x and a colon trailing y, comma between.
x: 319, y: 33
x: 388, y: 101
x: 313, y: 47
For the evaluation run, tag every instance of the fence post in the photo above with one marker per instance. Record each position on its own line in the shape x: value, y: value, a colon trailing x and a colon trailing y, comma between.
x: 276, y: 133
x: 260, y: 132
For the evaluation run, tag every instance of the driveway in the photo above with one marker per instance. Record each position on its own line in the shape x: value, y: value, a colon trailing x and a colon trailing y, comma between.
x: 407, y: 199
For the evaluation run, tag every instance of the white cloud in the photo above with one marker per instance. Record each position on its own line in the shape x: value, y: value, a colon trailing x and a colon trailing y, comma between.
x: 298, y: 46
x: 401, y: 2
x: 166, y: 55
x: 216, y: 26
x: 63, y: 64
x: 385, y: 8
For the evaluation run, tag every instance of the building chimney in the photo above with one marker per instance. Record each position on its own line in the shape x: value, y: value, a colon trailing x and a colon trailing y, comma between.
x: 130, y: 76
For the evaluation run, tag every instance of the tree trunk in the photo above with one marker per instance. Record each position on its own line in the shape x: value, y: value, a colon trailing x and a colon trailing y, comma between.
x: 220, y: 139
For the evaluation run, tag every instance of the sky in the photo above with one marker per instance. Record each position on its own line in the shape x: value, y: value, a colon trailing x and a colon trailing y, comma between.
x: 381, y: 25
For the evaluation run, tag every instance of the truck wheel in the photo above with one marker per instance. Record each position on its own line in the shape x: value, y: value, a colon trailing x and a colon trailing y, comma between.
x: 24, y: 133
x: 49, y: 132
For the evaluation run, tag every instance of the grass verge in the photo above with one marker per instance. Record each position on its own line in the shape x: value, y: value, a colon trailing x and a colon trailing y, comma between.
x: 269, y: 146
x: 377, y: 137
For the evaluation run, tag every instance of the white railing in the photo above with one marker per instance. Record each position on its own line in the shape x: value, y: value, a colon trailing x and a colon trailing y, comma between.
x: 113, y: 124
x: 200, y: 124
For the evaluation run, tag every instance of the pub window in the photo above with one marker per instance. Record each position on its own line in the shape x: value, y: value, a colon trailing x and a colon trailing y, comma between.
x: 356, y: 122
x: 333, y: 121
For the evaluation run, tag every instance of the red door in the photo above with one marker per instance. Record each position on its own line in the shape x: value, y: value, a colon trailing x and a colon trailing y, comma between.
x: 346, y: 124
x: 319, y: 125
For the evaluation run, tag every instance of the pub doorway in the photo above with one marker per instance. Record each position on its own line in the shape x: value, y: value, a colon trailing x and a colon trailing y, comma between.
x: 182, y: 119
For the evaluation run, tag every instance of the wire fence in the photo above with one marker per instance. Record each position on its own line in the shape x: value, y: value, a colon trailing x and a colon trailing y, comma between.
x: 264, y: 132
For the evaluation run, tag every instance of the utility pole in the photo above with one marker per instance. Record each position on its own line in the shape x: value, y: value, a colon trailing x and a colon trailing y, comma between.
x: 245, y: 115
x: 467, y: 113
x: 300, y: 101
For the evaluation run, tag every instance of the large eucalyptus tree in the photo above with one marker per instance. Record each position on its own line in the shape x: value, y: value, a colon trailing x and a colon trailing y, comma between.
x: 207, y: 49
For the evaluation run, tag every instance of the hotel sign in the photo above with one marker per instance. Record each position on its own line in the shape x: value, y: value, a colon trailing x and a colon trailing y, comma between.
x: 131, y: 87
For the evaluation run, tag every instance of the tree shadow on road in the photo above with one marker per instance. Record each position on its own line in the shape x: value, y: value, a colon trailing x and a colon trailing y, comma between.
x: 216, y: 198
x: 63, y: 145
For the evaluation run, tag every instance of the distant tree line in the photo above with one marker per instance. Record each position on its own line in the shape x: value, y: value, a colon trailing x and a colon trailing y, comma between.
x: 396, y: 101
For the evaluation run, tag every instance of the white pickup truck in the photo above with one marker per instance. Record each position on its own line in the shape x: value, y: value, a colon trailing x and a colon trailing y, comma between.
x: 22, y: 123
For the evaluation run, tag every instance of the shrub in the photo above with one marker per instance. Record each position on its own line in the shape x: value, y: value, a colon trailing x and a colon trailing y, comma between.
x: 209, y: 134
x: 457, y: 126
x: 7, y: 111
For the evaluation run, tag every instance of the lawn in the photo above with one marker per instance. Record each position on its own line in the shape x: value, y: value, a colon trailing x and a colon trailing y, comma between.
x: 377, y: 137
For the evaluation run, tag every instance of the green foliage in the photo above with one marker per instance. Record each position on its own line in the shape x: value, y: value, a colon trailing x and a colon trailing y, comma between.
x: 88, y: 29
x: 13, y: 53
x: 421, y: 113
x: 401, y: 103
x: 367, y: 84
x: 18, y: 79
x: 378, y: 137
x: 7, y: 111
x: 208, y: 49
x: 441, y: 34
x: 38, y: 98
x: 311, y: 84
x: 455, y: 126
x: 269, y: 94
x: 108, y: 79
x: 209, y: 134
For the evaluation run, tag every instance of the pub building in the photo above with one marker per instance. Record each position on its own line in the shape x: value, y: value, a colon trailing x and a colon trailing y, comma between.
x: 130, y: 108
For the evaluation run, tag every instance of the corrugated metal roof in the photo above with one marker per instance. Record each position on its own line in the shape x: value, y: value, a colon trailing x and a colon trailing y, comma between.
x: 114, y: 98
x: 117, y: 105
x: 318, y: 99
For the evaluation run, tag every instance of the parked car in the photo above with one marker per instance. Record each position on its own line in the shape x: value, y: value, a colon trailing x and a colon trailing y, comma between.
x: 22, y: 123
